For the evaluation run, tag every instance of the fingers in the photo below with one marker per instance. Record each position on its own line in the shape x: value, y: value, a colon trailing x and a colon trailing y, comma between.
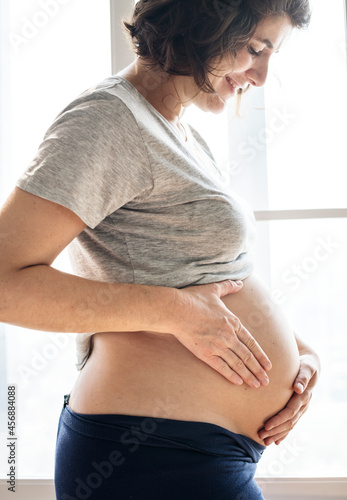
x: 281, y: 418
x: 276, y: 438
x: 224, y: 369
x: 299, y: 387
x: 279, y: 433
x: 228, y: 347
x: 259, y: 362
x: 237, y: 365
x: 278, y: 441
x: 242, y: 361
x: 279, y: 429
x: 285, y: 420
x: 227, y: 287
x: 246, y: 358
x: 303, y: 378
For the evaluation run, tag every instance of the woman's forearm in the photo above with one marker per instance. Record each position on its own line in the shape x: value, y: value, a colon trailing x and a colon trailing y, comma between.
x: 33, y: 232
x: 43, y: 298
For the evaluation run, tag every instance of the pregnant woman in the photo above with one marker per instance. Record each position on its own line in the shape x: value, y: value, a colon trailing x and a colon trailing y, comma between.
x: 187, y: 369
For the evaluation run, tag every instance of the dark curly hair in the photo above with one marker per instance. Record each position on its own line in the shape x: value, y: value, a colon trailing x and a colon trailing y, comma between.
x: 185, y: 37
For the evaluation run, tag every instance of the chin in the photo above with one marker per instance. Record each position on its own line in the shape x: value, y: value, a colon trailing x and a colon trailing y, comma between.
x: 218, y: 111
x: 216, y: 107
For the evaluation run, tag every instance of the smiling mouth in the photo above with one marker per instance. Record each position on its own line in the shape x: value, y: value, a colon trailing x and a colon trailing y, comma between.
x: 232, y: 84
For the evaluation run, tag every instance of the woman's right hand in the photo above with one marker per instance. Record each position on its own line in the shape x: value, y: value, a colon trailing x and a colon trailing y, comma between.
x: 205, y: 326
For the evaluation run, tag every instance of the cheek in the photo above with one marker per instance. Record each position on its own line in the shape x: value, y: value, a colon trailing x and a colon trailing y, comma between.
x: 244, y: 62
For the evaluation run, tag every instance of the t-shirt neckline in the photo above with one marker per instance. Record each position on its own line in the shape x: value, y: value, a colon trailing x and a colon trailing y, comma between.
x: 154, y: 110
x: 189, y: 145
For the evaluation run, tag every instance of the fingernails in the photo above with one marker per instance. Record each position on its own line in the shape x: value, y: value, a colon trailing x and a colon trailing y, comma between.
x: 239, y: 283
x: 300, y: 387
x: 257, y: 384
x: 268, y: 366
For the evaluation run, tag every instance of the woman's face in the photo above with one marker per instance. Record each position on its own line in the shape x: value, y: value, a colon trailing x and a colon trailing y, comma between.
x: 249, y: 68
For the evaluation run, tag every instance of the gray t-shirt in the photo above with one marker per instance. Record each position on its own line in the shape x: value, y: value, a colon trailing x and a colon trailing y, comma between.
x: 156, y: 207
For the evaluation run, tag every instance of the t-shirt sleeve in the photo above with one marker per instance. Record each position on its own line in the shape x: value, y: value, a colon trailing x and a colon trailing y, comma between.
x: 92, y: 160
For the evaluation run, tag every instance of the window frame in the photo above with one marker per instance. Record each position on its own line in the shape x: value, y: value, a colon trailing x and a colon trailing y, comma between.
x: 275, y: 488
x: 122, y: 55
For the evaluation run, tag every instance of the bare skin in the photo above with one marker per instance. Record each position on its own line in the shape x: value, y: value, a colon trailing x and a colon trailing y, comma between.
x: 204, y: 338
x: 35, y: 295
x: 154, y: 375
x: 172, y: 95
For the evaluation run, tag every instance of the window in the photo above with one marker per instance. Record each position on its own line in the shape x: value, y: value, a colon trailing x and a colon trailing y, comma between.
x: 286, y: 156
x: 51, y: 52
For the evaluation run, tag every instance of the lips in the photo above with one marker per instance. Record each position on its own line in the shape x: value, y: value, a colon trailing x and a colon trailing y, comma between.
x: 232, y: 84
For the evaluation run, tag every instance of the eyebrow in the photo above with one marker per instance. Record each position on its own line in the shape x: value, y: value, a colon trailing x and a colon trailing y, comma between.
x: 266, y: 41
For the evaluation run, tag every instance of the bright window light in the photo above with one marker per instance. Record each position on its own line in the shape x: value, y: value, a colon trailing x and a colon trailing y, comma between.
x: 294, y: 158
x: 56, y: 49
x: 288, y: 152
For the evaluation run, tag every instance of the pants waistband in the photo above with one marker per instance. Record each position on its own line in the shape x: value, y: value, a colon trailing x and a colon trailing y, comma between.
x: 202, y: 436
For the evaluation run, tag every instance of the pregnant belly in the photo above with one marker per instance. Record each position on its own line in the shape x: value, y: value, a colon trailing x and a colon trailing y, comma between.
x: 153, y: 375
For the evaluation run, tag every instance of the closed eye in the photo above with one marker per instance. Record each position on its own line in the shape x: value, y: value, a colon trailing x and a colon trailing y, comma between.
x: 254, y: 52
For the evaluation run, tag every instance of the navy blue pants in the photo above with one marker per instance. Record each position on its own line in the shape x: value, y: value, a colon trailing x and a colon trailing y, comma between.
x: 122, y: 457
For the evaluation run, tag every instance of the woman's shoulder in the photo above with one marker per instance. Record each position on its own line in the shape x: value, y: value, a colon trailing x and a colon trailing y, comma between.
x: 106, y: 100
x: 112, y: 105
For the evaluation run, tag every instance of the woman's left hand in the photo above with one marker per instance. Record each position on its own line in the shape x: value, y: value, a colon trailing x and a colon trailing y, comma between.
x: 278, y: 427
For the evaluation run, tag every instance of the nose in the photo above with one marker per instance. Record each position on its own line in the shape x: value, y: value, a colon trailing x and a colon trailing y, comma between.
x: 257, y: 74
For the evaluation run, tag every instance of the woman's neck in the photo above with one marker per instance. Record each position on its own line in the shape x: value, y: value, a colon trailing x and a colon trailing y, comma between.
x: 162, y: 91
